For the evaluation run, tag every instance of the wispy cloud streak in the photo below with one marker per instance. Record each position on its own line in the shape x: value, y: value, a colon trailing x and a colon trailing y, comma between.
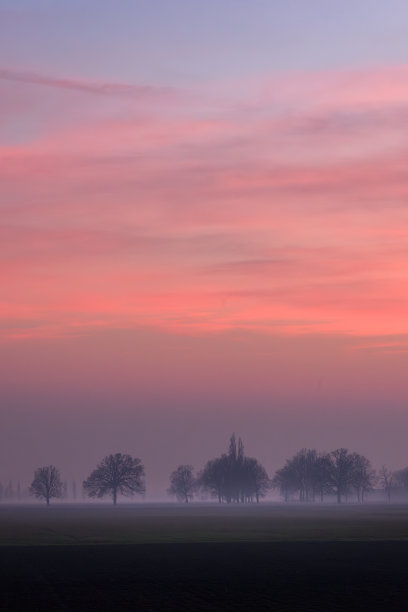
x: 89, y: 87
x: 283, y: 215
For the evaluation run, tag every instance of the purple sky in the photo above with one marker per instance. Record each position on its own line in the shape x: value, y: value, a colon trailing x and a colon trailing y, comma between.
x: 203, y: 229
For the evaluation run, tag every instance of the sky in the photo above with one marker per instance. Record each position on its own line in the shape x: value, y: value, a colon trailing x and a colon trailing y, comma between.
x: 203, y: 229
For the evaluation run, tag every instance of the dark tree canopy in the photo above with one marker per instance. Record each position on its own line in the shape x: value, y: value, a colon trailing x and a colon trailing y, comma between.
x: 309, y: 474
x: 341, y: 472
x: 116, y: 474
x: 47, y: 483
x: 183, y: 483
x: 254, y: 480
x: 213, y: 477
x: 306, y: 474
x: 233, y: 477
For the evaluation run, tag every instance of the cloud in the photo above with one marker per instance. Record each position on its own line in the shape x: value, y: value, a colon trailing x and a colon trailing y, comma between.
x: 277, y: 217
x: 82, y: 86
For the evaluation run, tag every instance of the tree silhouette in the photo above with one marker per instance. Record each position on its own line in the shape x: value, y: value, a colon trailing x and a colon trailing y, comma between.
x: 387, y: 481
x: 364, y: 477
x: 286, y: 481
x: 214, y: 475
x: 341, y: 471
x: 116, y: 474
x: 233, y: 477
x: 306, y: 475
x: 9, y: 491
x: 254, y: 480
x: 46, y: 484
x: 183, y: 483
x: 401, y: 479
x: 309, y: 474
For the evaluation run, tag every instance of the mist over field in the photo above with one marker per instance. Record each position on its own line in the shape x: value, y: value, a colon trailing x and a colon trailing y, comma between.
x: 70, y: 402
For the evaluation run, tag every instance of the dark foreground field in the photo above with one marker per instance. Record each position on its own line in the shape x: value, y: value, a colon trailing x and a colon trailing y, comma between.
x: 264, y: 558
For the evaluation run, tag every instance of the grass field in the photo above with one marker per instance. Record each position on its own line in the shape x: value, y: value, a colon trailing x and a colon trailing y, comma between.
x: 170, y: 557
x: 143, y: 523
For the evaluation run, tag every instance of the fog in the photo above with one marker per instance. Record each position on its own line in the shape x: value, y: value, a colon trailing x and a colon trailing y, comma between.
x: 72, y: 401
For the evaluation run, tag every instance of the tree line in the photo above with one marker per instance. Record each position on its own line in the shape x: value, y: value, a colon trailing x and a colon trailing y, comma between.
x: 310, y: 474
x: 17, y: 492
x: 234, y: 478
x: 231, y: 478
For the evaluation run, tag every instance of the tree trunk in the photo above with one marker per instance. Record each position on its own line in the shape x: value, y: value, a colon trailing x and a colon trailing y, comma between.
x: 338, y: 496
x: 114, y: 497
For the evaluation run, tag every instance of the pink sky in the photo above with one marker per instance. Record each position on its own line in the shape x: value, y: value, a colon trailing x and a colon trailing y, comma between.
x: 228, y: 251
x: 278, y: 208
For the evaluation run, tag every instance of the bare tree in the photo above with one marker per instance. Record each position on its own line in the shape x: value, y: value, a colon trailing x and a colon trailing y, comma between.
x: 322, y: 476
x: 401, y: 479
x: 255, y: 481
x: 306, y: 466
x: 387, y: 481
x: 286, y: 481
x: 310, y: 473
x: 183, y: 483
x: 213, y: 477
x: 116, y: 474
x: 364, y: 477
x: 341, y: 471
x: 9, y: 491
x: 306, y: 474
x: 46, y: 484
